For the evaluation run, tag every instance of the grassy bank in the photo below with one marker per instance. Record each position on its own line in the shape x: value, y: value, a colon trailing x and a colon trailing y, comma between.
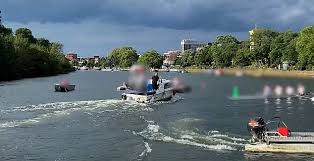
x: 261, y: 72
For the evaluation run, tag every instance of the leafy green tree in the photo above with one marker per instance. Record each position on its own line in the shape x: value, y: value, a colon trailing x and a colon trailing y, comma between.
x: 22, y: 55
x: 204, y: 56
x: 224, y: 49
x: 262, y: 39
x: 290, y: 53
x: 43, y: 42
x: 90, y: 64
x: 25, y: 33
x: 123, y: 57
x: 5, y: 31
x: 178, y: 61
x: 187, y: 58
x: 305, y: 48
x: 279, y: 47
x: 151, y: 59
x: 243, y: 55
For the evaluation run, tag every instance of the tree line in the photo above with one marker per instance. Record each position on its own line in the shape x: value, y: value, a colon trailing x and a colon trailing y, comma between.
x: 125, y: 57
x: 270, y: 49
x: 23, y: 56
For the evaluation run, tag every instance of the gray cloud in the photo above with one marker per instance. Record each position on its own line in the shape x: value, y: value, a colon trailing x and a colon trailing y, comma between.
x: 94, y: 37
x: 206, y: 15
x: 91, y: 27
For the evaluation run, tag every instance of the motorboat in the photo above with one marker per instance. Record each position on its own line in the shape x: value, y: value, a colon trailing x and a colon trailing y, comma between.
x: 83, y: 68
x: 163, y: 93
x: 96, y: 68
x: 275, y: 136
x: 64, y: 86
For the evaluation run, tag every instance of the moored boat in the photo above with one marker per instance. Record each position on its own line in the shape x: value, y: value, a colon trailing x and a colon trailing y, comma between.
x: 64, y: 86
x: 96, y: 68
x: 83, y: 68
x: 279, y: 140
x: 61, y: 88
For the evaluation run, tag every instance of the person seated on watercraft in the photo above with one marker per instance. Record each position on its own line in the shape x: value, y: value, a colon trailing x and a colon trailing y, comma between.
x: 155, y: 79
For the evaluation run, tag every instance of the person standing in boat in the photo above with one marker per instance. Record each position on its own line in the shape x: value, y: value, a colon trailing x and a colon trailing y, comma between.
x: 155, y: 79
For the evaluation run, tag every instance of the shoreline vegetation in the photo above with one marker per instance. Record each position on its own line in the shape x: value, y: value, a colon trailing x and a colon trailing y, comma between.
x: 265, y: 53
x: 24, y: 56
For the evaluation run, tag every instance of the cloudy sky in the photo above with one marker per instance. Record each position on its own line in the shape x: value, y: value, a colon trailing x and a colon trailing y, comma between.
x: 95, y: 27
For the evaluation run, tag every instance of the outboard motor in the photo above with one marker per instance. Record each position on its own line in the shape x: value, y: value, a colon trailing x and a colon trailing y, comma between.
x: 257, y: 128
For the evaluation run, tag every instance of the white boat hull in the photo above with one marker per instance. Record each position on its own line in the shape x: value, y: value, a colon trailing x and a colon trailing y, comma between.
x: 280, y: 148
x: 162, y: 96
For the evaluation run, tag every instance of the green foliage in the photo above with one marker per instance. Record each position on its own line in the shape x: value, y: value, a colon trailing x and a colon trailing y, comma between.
x: 279, y: 48
x: 24, y: 56
x: 204, y: 56
x: 305, y: 48
x: 187, y: 58
x: 178, y: 61
x: 224, y: 49
x: 262, y: 39
x: 90, y: 64
x: 151, y: 59
x: 123, y: 57
x: 243, y: 55
x: 290, y: 54
x: 25, y: 33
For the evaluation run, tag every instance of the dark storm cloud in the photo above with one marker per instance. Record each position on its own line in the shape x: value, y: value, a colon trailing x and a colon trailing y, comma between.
x: 205, y: 15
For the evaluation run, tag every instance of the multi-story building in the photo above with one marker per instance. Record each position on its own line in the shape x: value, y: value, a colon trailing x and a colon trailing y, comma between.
x: 190, y: 44
x: 252, y: 43
x: 170, y: 57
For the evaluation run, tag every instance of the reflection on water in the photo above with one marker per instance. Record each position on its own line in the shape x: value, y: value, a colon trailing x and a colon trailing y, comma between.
x: 39, y: 124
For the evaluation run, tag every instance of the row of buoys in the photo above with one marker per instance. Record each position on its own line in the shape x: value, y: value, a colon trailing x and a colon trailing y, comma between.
x: 279, y: 90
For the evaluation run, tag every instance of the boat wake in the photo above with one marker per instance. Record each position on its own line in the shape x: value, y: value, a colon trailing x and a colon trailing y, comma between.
x: 24, y: 116
x: 145, y: 152
x: 171, y: 101
x: 213, y: 140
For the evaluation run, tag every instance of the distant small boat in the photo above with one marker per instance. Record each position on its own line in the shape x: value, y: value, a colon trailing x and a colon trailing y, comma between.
x: 107, y: 69
x: 96, y: 68
x: 174, y: 70
x: 64, y: 88
x: 83, y: 68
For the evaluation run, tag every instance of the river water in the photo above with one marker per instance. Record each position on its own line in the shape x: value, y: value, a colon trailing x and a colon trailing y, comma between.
x: 92, y: 123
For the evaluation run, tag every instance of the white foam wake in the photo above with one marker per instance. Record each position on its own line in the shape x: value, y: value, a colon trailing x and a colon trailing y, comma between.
x: 42, y: 112
x: 217, y: 141
x: 147, y: 150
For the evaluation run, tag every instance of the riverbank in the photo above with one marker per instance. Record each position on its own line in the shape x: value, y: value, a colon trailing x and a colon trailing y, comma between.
x: 260, y: 72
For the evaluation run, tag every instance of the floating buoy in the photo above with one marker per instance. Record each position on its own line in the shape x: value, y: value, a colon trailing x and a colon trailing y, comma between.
x: 278, y: 90
x: 235, y: 92
x: 267, y: 91
x: 289, y: 90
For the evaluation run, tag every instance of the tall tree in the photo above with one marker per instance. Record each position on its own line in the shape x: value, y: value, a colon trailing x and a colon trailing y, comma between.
x: 204, y: 56
x: 224, y: 49
x: 243, y: 55
x: 279, y: 47
x: 25, y: 33
x: 151, y: 59
x: 290, y: 53
x: 262, y: 39
x: 123, y: 57
x: 22, y: 55
x: 305, y: 48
